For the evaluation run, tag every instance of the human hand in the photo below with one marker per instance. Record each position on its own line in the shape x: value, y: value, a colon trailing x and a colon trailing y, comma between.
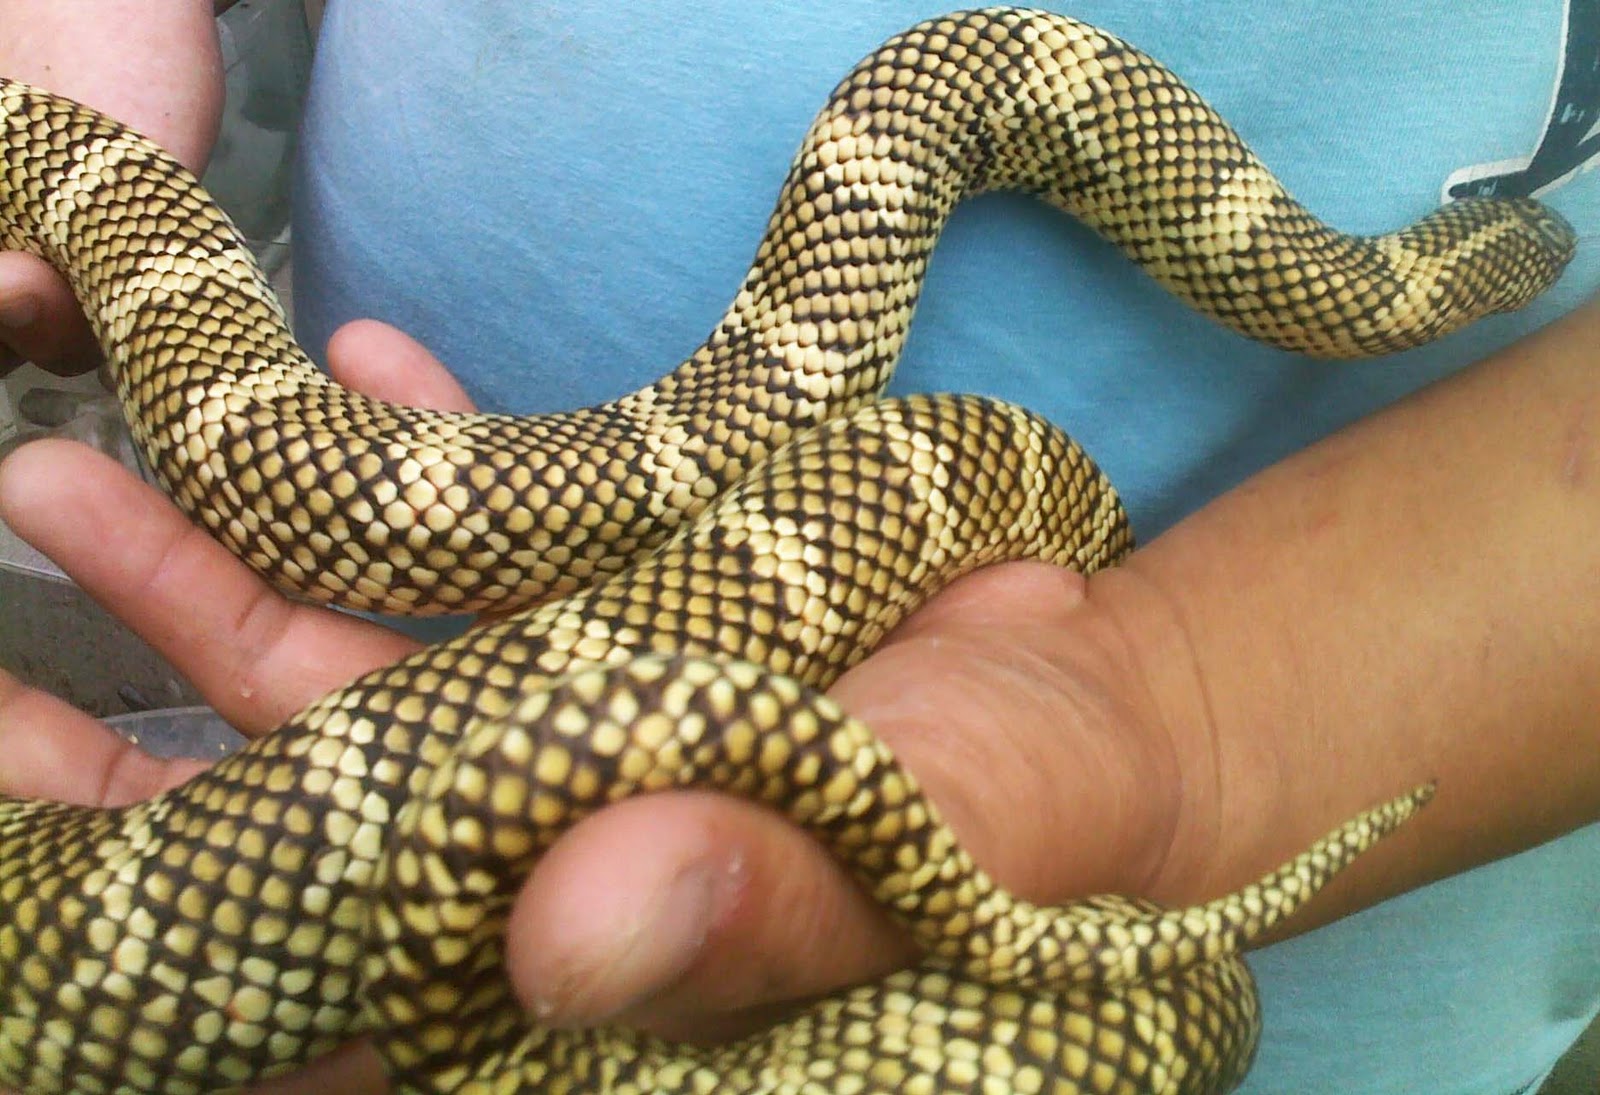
x: 153, y: 64
x: 699, y: 916
x: 1004, y: 695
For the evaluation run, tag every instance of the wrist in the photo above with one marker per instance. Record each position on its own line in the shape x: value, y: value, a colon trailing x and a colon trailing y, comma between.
x: 1402, y: 601
x: 1174, y: 696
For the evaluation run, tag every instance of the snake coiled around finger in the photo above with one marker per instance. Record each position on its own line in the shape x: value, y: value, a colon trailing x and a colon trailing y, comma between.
x: 703, y: 557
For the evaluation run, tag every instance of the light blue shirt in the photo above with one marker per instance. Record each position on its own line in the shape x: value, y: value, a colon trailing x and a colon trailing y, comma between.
x: 560, y: 199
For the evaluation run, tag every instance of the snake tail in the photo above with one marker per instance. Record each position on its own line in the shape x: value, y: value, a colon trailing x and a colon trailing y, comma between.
x: 374, y: 506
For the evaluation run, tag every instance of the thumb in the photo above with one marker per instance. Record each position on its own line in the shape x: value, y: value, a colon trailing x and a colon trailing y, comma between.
x: 690, y: 914
x: 40, y: 320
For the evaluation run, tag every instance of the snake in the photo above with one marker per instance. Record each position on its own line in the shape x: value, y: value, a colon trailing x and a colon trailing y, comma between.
x: 681, y: 573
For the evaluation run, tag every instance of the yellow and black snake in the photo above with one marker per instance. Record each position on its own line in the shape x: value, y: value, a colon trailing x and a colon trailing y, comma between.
x: 723, y: 543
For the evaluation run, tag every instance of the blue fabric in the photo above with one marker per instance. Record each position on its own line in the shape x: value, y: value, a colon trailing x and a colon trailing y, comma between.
x: 1475, y: 984
x: 561, y: 198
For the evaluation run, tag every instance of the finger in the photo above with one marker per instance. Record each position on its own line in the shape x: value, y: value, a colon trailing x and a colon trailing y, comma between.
x: 386, y: 363
x: 1006, y: 597
x: 40, y: 320
x: 50, y: 749
x: 349, y: 1070
x: 256, y: 657
x: 679, y: 912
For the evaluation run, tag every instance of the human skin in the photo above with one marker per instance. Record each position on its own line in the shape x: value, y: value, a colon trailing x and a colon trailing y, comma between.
x: 117, y: 56
x: 1412, y: 598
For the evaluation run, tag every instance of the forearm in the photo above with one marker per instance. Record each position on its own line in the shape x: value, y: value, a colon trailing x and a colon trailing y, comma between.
x: 154, y: 64
x: 1416, y: 597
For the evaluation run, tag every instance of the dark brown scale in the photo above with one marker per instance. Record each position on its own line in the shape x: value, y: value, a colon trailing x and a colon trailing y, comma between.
x: 721, y: 559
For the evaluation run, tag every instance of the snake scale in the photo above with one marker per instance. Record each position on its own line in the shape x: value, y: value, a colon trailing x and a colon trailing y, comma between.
x: 702, y: 557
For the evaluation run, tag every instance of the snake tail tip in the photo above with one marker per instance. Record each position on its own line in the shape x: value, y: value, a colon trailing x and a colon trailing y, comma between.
x: 1423, y: 793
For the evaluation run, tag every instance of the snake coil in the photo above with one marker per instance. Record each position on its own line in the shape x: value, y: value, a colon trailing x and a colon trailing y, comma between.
x: 720, y: 546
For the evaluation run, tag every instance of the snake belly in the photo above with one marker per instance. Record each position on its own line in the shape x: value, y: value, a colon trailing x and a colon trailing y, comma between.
x: 724, y: 542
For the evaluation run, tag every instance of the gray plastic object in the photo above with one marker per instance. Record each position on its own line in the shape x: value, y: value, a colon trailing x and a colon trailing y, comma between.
x: 266, y: 54
x: 197, y: 732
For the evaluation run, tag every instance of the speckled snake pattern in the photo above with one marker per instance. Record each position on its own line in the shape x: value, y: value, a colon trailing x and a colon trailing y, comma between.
x: 702, y: 557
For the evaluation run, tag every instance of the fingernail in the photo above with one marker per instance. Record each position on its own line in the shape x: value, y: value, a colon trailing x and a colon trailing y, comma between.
x: 651, y: 946
x: 17, y: 312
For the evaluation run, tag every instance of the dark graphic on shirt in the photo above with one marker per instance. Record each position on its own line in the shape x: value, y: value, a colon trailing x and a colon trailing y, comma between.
x: 1570, y: 142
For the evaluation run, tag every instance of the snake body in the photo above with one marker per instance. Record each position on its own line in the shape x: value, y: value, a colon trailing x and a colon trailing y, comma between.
x: 713, y: 550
